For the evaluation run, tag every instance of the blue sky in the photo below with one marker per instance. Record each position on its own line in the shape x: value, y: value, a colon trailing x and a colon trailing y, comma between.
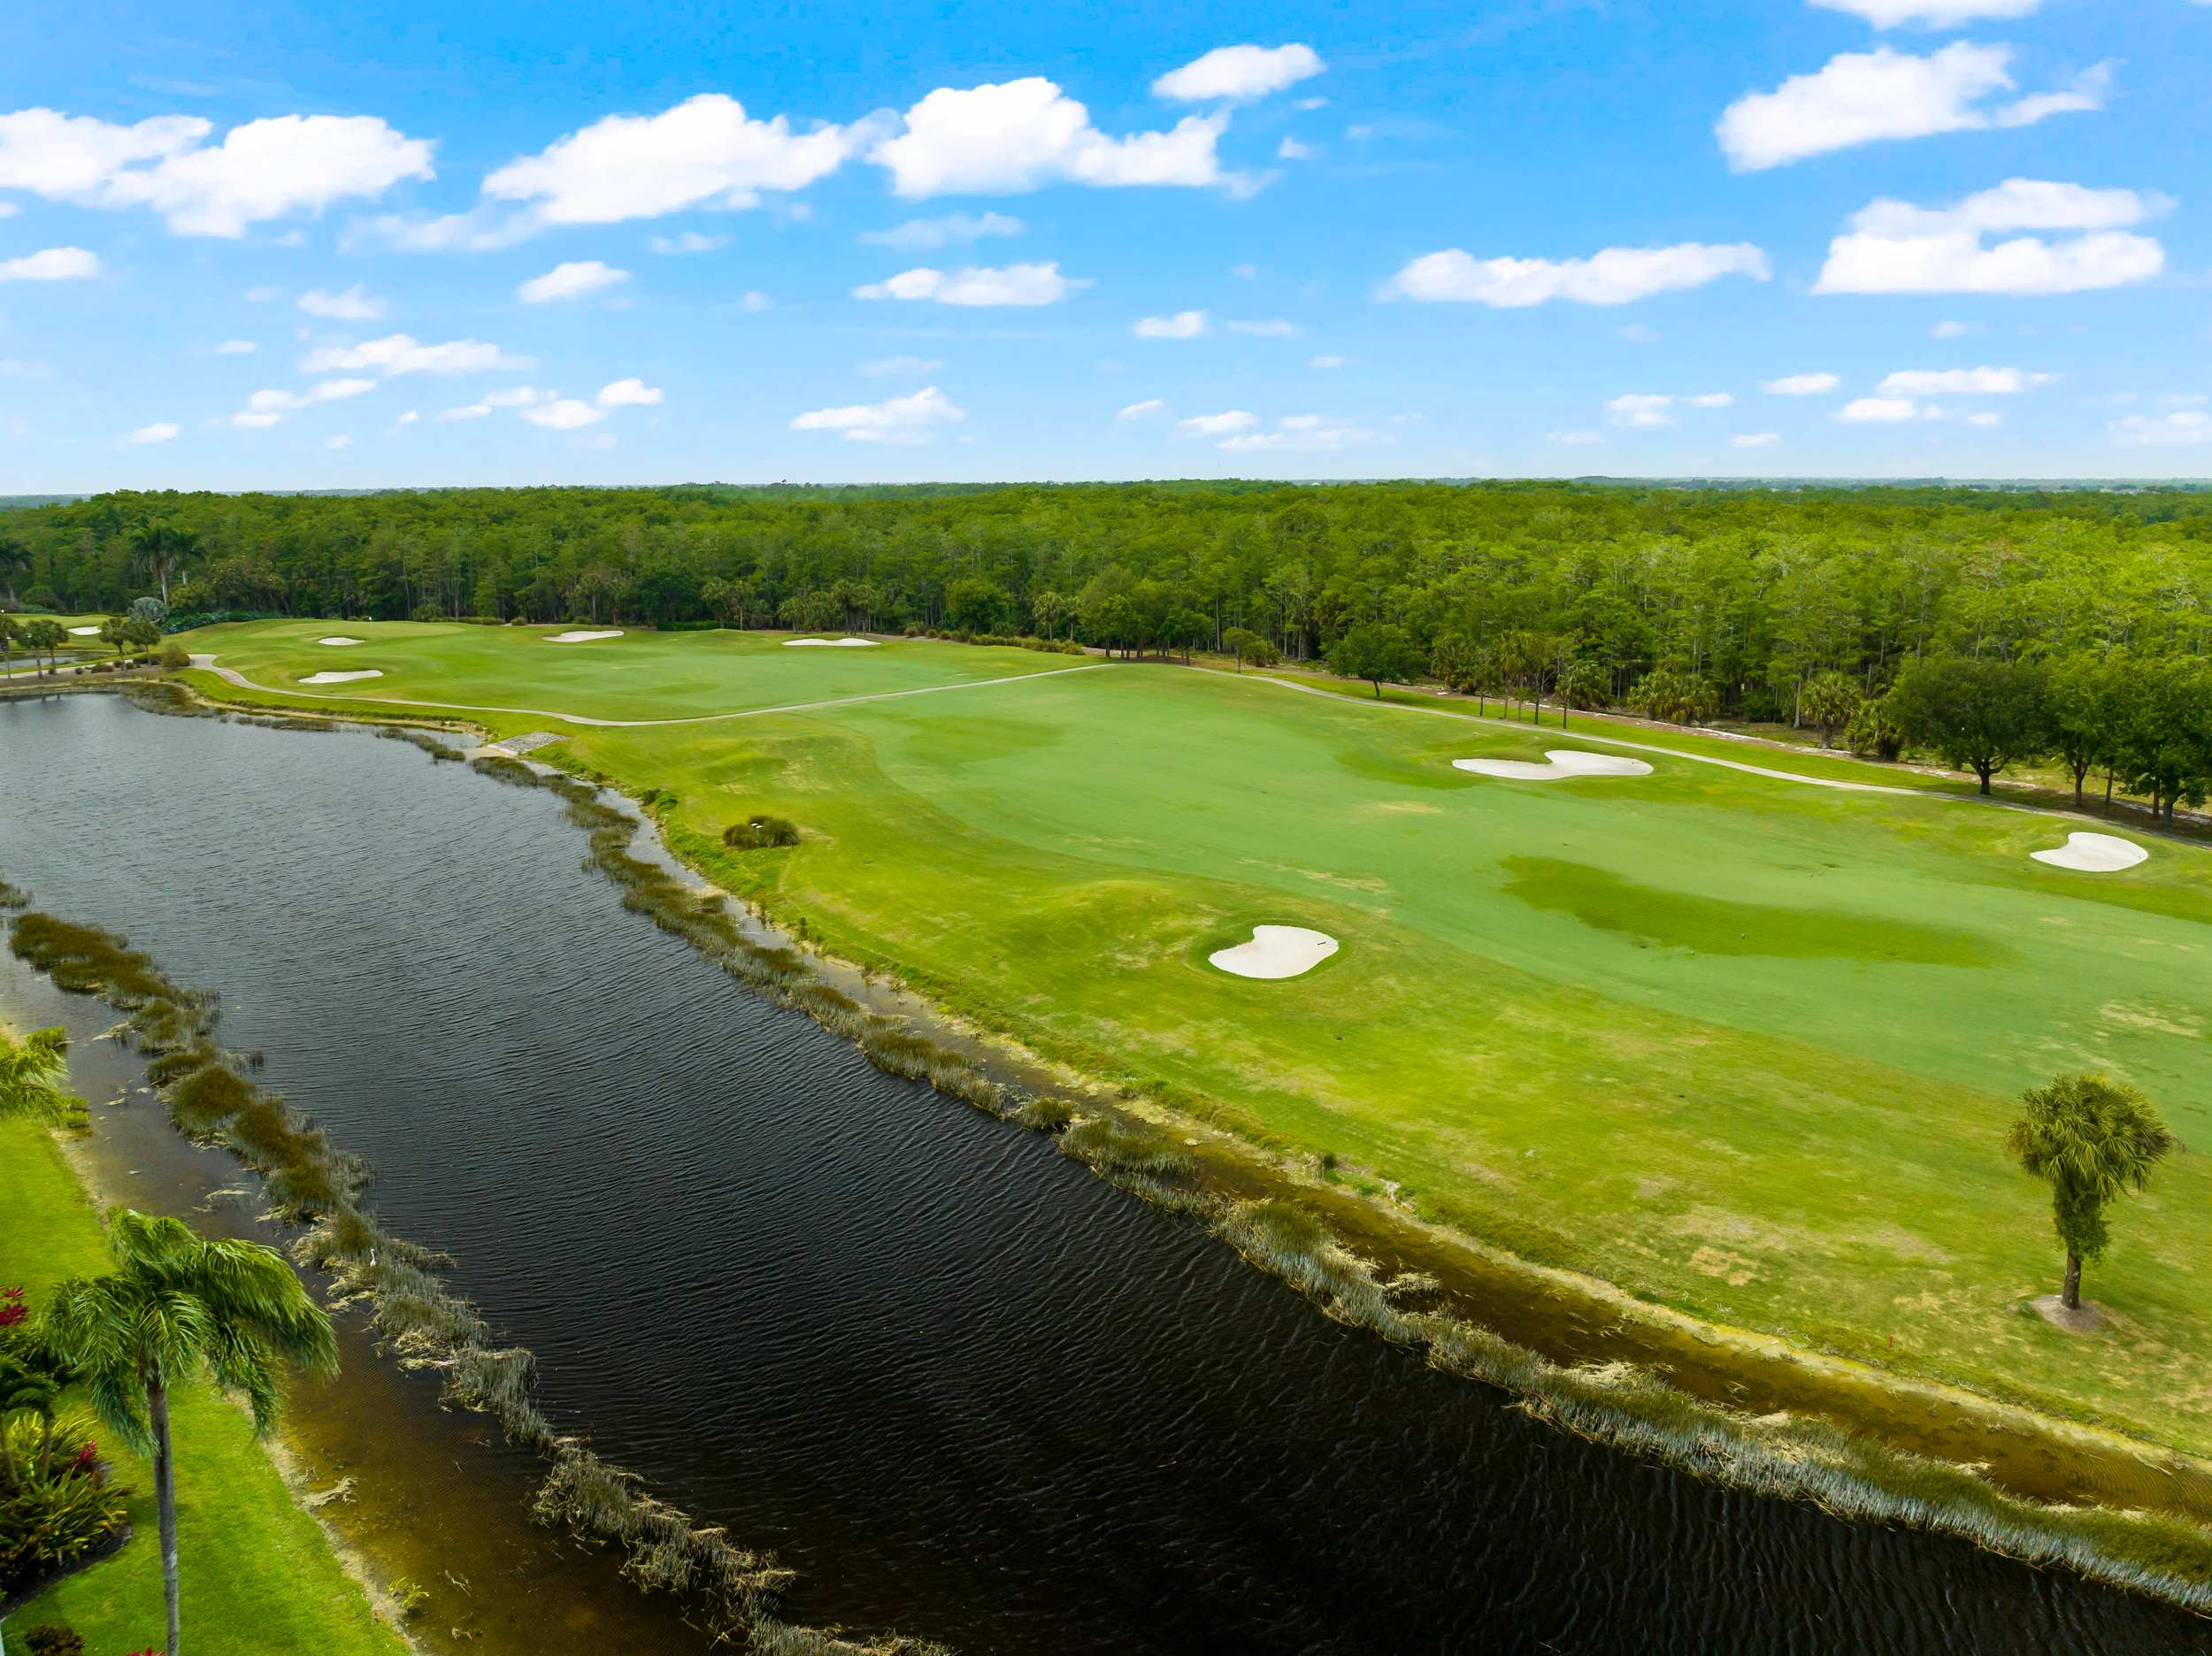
x: 339, y: 246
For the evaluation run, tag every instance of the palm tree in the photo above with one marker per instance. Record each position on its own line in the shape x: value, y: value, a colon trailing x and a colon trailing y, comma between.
x: 32, y: 1071
x: 177, y: 1305
x: 2090, y: 1138
x: 159, y: 546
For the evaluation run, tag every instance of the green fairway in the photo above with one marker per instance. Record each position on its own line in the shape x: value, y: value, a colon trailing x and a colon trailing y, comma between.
x: 639, y: 675
x: 1743, y: 1044
x: 259, y: 1578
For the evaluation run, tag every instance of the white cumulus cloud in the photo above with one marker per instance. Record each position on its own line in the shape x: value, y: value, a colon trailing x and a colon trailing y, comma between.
x: 1929, y: 14
x: 1182, y: 324
x: 564, y: 414
x: 402, y: 354
x: 1304, y: 434
x: 1755, y: 440
x: 996, y: 139
x: 905, y: 419
x: 1800, y: 385
x: 262, y: 170
x: 1894, y: 247
x: 1984, y: 381
x: 928, y: 234
x: 353, y: 305
x: 1862, y: 97
x: 1138, y: 411
x: 1218, y: 424
x: 688, y: 241
x: 705, y: 152
x: 161, y: 432
x: 61, y: 263
x: 237, y: 347
x: 1614, y: 276
x: 1710, y: 399
x: 1640, y: 409
x: 571, y: 280
x: 632, y: 392
x: 1271, y: 327
x: 1229, y: 73
x: 2164, y: 431
x: 1883, y: 412
x: 1015, y: 285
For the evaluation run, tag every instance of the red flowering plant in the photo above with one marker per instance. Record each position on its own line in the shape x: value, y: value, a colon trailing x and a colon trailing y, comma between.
x: 13, y: 1310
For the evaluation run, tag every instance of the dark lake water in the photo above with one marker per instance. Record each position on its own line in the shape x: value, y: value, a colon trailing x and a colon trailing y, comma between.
x: 965, y: 1389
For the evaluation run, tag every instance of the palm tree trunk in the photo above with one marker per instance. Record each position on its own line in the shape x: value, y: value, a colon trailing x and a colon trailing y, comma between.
x: 2071, y: 1295
x: 166, y: 1500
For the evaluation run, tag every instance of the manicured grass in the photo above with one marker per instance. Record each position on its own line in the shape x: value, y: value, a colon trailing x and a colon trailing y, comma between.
x: 641, y: 675
x: 1744, y: 1046
x: 259, y: 1578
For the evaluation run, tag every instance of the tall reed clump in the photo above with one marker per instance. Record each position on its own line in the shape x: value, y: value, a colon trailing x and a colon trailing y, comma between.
x: 415, y: 1314
x: 84, y: 960
x: 436, y: 748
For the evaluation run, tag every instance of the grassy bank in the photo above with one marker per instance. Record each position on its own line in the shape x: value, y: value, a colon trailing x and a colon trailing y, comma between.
x: 259, y: 1577
x: 1745, y: 1046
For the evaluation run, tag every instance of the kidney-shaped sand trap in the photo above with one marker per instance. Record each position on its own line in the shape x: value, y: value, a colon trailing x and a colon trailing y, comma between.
x: 337, y: 640
x: 1565, y: 761
x: 830, y: 643
x: 584, y: 636
x: 2094, y: 854
x: 1275, y: 952
x: 340, y: 678
x: 84, y: 632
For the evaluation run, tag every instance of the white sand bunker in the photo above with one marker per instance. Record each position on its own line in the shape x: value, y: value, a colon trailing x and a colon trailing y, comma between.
x: 2094, y: 854
x: 1563, y: 761
x: 830, y: 643
x: 84, y: 632
x: 1275, y: 952
x: 340, y: 678
x: 573, y: 636
x: 338, y: 640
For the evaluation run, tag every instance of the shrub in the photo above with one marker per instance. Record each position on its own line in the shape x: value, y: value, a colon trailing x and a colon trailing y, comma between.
x: 51, y: 1638
x: 761, y: 832
x: 55, y: 1519
x: 427, y: 612
x: 172, y: 655
x: 1874, y: 730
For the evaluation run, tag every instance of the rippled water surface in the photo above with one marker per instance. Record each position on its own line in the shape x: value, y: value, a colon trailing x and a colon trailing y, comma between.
x: 963, y: 1388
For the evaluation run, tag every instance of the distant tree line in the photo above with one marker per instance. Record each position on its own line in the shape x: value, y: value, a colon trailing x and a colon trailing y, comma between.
x: 2077, y: 622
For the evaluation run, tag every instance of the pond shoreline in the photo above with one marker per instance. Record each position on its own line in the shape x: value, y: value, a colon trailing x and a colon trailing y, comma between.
x: 1248, y: 1198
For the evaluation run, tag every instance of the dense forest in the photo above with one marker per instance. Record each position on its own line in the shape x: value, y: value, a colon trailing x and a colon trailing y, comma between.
x: 1685, y: 600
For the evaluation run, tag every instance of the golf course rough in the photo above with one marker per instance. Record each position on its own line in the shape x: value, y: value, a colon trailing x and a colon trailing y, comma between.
x: 1745, y: 1047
